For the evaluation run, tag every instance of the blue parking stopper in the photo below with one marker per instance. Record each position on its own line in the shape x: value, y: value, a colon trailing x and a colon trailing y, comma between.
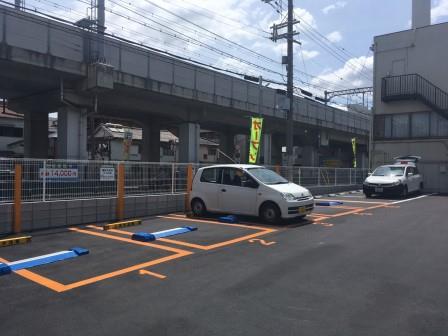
x: 80, y: 251
x: 143, y: 236
x: 228, y: 219
x: 330, y: 203
x: 4, y: 269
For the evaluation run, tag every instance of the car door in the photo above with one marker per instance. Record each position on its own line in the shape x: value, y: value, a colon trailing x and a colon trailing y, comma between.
x: 237, y: 193
x: 412, y: 179
x: 208, y: 186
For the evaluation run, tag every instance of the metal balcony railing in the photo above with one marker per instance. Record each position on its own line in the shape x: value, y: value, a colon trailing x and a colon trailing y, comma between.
x: 414, y: 86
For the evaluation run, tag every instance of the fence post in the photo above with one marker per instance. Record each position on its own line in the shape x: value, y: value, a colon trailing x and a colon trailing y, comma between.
x: 189, y: 186
x: 120, y: 192
x: 318, y: 176
x: 44, y: 182
x: 350, y: 170
x: 335, y: 176
x: 172, y: 178
x: 300, y: 176
x: 17, y: 214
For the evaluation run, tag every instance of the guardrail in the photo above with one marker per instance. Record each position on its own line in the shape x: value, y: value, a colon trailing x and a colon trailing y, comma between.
x: 50, y: 180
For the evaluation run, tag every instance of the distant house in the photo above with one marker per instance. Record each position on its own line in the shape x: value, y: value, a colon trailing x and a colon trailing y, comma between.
x: 110, y: 143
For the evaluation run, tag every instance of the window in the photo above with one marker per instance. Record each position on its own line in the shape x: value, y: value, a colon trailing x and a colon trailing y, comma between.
x: 400, y: 126
x: 420, y: 125
x: 267, y: 176
x: 237, y: 177
x: 388, y: 171
x: 439, y: 126
x: 212, y: 151
x: 211, y: 175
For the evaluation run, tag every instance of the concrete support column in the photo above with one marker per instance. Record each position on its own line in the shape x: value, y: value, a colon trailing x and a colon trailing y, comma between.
x: 242, y: 146
x: 36, y: 135
x: 266, y: 148
x: 150, y: 150
x: 189, y: 138
x: 72, y: 134
x: 227, y: 145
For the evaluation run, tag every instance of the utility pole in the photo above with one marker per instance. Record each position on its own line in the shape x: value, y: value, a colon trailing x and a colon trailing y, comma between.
x: 289, y: 62
x: 101, y: 28
x: 18, y: 4
x: 290, y: 84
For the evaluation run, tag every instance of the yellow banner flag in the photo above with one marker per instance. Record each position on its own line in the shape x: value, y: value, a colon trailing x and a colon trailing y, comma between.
x: 354, y: 152
x: 255, y: 137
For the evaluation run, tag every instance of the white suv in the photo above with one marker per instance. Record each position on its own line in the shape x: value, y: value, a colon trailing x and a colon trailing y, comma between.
x: 248, y: 190
x: 399, y: 179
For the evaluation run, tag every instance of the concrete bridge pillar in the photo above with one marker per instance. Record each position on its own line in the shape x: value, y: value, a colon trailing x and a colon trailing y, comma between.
x: 227, y: 146
x: 72, y: 133
x: 266, y: 149
x: 189, y: 138
x: 242, y: 148
x: 150, y: 150
x: 36, y: 135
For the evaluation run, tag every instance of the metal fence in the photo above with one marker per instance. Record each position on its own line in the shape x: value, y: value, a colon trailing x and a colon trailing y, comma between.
x: 49, y: 180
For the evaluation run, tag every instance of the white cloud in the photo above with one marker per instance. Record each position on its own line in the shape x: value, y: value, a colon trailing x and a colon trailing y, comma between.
x: 352, y: 74
x: 440, y: 11
x: 310, y: 54
x: 335, y: 36
x: 336, y: 5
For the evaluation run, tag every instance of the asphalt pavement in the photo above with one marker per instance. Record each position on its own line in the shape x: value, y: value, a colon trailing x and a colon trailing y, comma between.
x: 364, y: 267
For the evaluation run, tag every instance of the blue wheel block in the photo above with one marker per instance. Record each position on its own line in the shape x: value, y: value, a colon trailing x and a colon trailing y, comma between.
x: 330, y: 203
x: 80, y: 251
x: 143, y: 237
x: 4, y: 269
x: 228, y: 219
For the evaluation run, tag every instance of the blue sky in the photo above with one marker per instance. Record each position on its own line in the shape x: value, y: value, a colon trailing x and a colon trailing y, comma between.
x: 336, y: 34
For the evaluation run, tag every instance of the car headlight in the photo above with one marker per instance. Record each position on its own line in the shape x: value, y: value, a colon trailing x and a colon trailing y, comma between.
x: 288, y: 196
x: 396, y: 183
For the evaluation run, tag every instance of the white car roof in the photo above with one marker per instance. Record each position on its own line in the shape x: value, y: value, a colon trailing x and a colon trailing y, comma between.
x: 235, y: 165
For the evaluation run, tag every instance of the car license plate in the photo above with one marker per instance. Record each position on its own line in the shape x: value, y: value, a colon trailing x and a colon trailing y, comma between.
x: 302, y: 210
x: 378, y: 189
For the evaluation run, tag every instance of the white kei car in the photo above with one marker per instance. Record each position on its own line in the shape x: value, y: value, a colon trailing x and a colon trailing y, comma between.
x: 399, y: 179
x: 248, y: 190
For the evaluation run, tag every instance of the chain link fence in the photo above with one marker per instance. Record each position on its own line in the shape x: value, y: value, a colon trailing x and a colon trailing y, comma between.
x: 49, y: 180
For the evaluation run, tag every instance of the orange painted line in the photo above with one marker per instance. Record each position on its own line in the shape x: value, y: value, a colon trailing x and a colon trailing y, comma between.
x: 126, y: 240
x: 41, y: 280
x: 346, y: 201
x: 166, y: 240
x: 263, y: 231
x: 125, y: 270
x: 157, y: 275
x: 346, y: 207
x: 218, y: 223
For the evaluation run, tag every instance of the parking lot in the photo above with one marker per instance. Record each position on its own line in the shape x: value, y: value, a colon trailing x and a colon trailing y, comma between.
x: 364, y: 267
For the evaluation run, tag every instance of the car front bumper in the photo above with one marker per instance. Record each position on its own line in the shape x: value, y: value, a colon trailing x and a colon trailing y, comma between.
x: 386, y: 190
x: 297, y: 208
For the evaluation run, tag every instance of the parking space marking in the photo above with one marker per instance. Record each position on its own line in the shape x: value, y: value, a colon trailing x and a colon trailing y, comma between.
x: 263, y: 231
x: 413, y: 199
x: 154, y: 274
x: 362, y: 202
x: 59, y: 287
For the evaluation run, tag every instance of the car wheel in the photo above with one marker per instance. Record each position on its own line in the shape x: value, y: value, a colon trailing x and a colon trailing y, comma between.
x: 198, y: 207
x: 270, y: 213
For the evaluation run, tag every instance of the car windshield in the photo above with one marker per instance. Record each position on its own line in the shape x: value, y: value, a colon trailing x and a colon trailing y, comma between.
x: 389, y: 171
x: 267, y: 176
